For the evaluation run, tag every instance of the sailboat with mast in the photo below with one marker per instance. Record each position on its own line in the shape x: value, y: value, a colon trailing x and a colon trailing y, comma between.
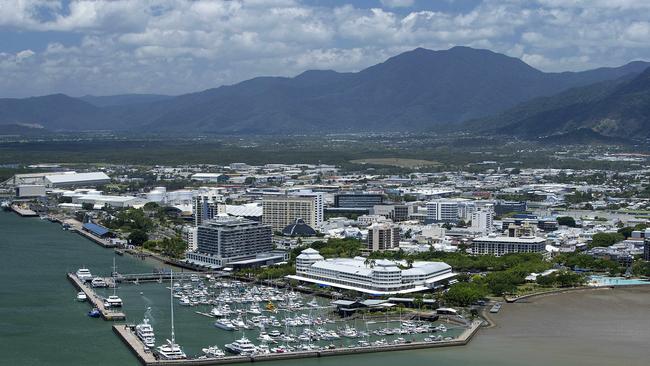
x: 171, y: 350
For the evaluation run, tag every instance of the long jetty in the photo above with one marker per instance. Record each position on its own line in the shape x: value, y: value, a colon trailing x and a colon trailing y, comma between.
x: 95, y: 300
x: 146, y: 358
x: 162, y: 276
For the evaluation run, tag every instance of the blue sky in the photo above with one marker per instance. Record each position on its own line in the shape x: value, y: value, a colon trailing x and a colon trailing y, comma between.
x: 177, y: 46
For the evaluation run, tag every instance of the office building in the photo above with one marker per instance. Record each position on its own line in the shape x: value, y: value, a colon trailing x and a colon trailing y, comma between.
x: 383, y: 236
x: 646, y: 250
x: 442, y: 211
x: 358, y: 200
x: 397, y: 213
x: 501, y: 245
x: 377, y: 277
x: 231, y: 242
x: 280, y: 211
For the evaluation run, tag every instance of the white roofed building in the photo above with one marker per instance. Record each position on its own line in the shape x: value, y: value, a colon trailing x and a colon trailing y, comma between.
x: 379, y: 277
x: 76, y: 179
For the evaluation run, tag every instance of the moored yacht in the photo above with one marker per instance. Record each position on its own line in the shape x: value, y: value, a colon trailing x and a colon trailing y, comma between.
x: 144, y: 331
x: 241, y: 346
x: 83, y: 274
x: 113, y: 301
x: 213, y: 352
x: 225, y: 324
x: 98, y: 282
x: 81, y: 296
x: 171, y: 350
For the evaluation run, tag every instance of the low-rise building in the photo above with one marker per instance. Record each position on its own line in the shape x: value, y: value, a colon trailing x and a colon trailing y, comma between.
x: 501, y: 245
x: 377, y: 277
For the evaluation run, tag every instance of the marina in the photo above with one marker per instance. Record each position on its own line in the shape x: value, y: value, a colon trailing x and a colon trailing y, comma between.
x: 95, y: 300
x: 126, y: 334
x: 266, y: 323
x: 27, y: 274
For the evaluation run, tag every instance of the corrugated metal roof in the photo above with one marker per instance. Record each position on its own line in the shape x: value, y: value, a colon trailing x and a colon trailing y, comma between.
x: 76, y: 177
x: 95, y: 229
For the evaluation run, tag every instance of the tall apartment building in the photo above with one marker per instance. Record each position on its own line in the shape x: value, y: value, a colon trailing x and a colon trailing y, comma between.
x: 206, y: 207
x: 224, y: 241
x: 383, y: 236
x: 279, y: 211
x: 442, y: 211
x: 482, y: 219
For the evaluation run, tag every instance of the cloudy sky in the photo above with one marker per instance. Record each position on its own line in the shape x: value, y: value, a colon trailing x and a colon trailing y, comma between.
x: 174, y: 46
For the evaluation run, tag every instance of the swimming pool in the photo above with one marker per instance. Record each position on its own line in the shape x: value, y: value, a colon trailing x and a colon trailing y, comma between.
x: 615, y: 281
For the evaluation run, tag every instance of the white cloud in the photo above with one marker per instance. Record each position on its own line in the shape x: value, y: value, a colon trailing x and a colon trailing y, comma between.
x: 176, y: 46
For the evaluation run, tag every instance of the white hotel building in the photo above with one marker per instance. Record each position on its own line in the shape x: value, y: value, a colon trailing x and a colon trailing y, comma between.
x: 380, y: 277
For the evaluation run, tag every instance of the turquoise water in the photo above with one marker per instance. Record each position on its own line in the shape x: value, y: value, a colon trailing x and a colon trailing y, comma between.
x: 42, y: 324
x: 616, y: 281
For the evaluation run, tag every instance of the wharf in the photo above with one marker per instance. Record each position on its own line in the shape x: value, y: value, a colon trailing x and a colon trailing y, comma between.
x: 162, y: 276
x: 95, y: 300
x: 24, y: 212
x: 146, y: 358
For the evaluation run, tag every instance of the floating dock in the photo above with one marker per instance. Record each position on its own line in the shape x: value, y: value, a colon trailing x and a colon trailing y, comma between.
x: 95, y: 300
x: 147, y: 358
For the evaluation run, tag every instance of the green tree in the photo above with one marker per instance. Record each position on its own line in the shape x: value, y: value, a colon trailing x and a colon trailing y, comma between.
x: 566, y: 221
x: 138, y: 237
x: 464, y: 294
x: 605, y: 239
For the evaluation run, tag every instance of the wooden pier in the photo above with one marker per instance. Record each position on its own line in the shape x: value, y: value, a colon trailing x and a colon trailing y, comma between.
x: 95, y: 300
x: 146, y: 358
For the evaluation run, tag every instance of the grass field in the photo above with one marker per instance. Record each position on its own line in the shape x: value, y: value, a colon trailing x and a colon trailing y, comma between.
x: 398, y: 162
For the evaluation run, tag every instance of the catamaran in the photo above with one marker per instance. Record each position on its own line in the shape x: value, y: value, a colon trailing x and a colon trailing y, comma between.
x: 171, y: 350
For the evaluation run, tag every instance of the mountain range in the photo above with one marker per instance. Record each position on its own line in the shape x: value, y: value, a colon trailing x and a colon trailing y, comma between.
x: 419, y: 90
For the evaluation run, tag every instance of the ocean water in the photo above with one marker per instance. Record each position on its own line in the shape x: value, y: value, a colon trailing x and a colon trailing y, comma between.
x: 42, y: 324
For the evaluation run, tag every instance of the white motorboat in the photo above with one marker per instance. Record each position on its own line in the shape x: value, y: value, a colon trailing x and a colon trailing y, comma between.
x: 225, y: 324
x: 254, y: 310
x: 83, y: 274
x: 98, y: 282
x: 241, y: 346
x: 171, y: 350
x: 81, y: 296
x: 213, y: 352
x: 113, y: 301
x: 144, y: 331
